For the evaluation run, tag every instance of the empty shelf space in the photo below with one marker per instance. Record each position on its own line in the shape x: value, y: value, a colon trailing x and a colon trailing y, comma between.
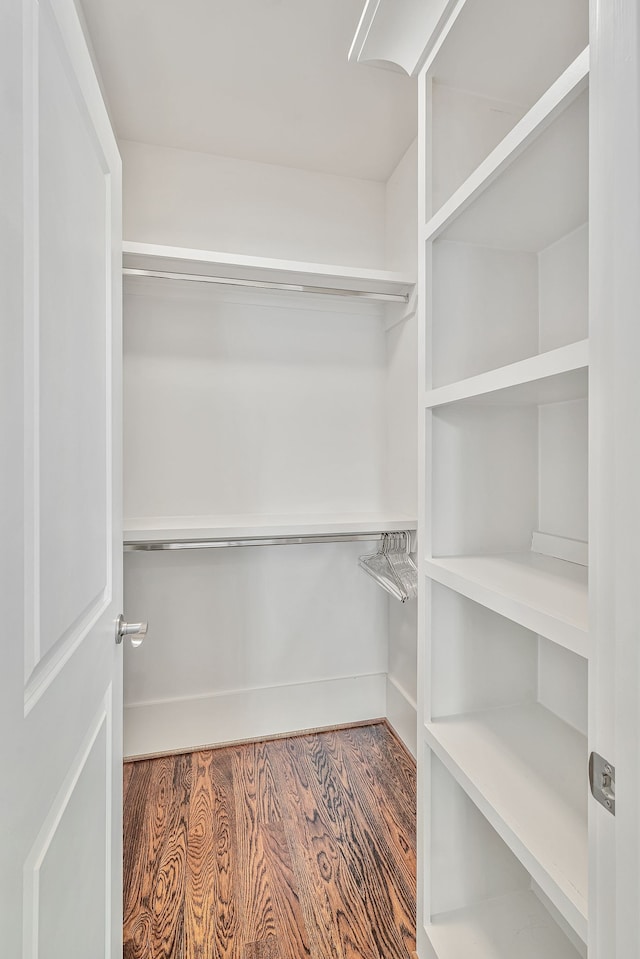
x: 207, y: 263
x: 525, y: 770
x: 238, y: 527
x: 542, y: 593
x: 538, y: 197
x: 558, y: 98
x: 500, y: 928
x: 550, y: 377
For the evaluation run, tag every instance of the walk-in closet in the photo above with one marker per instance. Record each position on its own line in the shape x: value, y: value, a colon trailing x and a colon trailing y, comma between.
x: 319, y: 392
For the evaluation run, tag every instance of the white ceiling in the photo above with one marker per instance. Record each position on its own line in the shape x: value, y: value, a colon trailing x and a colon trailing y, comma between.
x: 264, y: 80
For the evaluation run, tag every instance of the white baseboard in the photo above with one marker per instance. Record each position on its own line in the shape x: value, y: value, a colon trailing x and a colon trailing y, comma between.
x: 402, y: 714
x: 184, y: 724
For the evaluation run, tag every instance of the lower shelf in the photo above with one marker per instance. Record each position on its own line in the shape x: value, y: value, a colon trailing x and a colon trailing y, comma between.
x: 512, y: 927
x: 525, y: 770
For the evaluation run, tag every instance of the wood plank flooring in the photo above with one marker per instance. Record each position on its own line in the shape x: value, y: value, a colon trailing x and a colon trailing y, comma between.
x: 292, y: 848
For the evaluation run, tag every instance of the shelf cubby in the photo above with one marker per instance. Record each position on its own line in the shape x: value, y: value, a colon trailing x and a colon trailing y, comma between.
x: 509, y: 272
x: 532, y: 794
x: 481, y: 660
x: 480, y: 90
x: 569, y: 86
x: 519, y: 467
x: 486, y: 903
x: 539, y: 198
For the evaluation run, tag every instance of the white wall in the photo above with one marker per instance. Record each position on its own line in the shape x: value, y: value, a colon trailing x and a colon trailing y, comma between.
x: 250, y: 641
x: 197, y: 200
x: 401, y: 473
x: 401, y: 215
x: 237, y: 404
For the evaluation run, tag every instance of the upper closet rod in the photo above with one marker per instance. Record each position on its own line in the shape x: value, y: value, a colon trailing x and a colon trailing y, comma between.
x: 285, y: 540
x: 269, y: 285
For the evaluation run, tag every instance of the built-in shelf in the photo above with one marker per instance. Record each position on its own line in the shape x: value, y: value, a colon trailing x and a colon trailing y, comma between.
x: 501, y: 928
x: 504, y: 383
x: 207, y: 263
x: 538, y: 198
x: 172, y: 529
x: 550, y: 377
x: 542, y: 593
x: 525, y: 770
x: 522, y: 137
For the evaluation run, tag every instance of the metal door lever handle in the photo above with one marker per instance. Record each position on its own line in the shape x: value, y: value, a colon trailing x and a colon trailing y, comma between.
x: 137, y: 631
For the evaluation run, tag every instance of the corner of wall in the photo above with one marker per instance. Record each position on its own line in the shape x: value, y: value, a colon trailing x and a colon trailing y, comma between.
x: 401, y: 253
x: 401, y: 214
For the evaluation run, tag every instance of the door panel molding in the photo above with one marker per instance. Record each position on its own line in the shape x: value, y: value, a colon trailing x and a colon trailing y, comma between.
x: 37, y: 856
x: 44, y: 657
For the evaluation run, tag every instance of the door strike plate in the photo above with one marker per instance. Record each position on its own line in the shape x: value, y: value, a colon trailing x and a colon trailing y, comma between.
x: 602, y: 779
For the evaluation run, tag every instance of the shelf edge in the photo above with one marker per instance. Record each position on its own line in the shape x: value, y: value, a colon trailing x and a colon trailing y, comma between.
x: 137, y: 532
x: 151, y: 253
x: 566, y: 634
x: 565, y: 359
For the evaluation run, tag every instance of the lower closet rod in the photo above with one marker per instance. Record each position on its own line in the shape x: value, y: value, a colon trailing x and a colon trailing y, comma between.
x: 255, y: 541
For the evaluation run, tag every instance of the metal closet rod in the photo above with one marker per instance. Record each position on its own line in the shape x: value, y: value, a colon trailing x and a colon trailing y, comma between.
x: 151, y: 545
x: 269, y: 285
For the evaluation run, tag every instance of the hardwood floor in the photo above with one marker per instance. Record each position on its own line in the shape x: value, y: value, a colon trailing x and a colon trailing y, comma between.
x: 292, y: 848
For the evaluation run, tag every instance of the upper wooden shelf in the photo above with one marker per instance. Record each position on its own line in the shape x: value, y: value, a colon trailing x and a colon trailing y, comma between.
x: 208, y: 263
x: 172, y: 529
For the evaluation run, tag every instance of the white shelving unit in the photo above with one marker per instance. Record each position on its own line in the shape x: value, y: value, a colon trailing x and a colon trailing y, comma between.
x: 503, y: 623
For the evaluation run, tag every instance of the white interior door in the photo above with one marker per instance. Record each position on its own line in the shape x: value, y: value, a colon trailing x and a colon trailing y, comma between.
x: 61, y: 555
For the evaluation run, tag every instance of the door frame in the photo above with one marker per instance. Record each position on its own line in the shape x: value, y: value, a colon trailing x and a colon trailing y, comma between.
x: 614, y: 343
